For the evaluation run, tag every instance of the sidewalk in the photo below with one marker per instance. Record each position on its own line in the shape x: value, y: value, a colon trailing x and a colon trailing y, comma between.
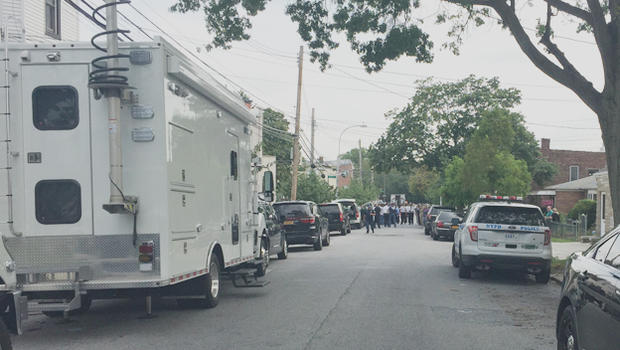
x: 564, y: 250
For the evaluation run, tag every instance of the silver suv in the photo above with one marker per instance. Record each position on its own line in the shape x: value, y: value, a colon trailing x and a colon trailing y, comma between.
x: 500, y: 233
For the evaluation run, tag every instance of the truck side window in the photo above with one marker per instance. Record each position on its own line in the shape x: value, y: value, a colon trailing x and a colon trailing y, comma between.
x: 58, y: 202
x: 233, y: 165
x: 55, y: 108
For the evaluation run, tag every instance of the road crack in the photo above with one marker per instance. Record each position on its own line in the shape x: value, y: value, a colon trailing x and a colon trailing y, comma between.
x: 329, y: 313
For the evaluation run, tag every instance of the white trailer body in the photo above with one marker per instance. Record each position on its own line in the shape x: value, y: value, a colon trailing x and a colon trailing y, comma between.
x: 186, y: 156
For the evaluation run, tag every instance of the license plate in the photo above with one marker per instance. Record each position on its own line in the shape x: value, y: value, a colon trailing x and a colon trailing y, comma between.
x: 511, y: 235
x: 289, y: 222
x: 530, y: 246
x: 454, y: 227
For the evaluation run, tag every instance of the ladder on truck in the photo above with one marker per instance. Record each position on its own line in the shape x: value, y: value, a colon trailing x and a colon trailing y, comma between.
x: 5, y: 136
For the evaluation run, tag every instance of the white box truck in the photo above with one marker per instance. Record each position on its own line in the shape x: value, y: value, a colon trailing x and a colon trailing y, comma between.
x: 187, y: 211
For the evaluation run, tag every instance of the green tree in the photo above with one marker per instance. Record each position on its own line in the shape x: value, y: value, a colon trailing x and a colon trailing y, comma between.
x: 424, y: 185
x: 584, y: 206
x: 278, y: 144
x: 438, y: 121
x: 453, y: 189
x: 393, y: 182
x: 361, y: 193
x: 379, y: 31
x: 310, y: 187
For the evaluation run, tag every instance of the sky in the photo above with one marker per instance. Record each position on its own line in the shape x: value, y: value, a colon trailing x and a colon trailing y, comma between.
x: 345, y: 95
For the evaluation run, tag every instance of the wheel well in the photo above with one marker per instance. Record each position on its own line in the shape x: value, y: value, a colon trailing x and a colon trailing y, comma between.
x: 217, y: 251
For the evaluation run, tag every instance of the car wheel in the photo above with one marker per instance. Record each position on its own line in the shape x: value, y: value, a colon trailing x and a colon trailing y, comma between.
x: 318, y: 245
x: 543, y: 276
x: 455, y: 260
x: 261, y: 269
x: 209, y: 284
x: 284, y: 253
x: 567, y: 334
x: 327, y: 240
x: 464, y: 271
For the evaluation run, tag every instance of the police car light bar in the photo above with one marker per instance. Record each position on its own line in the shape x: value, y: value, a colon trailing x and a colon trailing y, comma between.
x: 487, y: 197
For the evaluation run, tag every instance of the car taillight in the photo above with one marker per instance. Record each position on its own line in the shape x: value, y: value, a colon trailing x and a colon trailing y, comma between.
x: 473, y: 232
x: 547, y: 236
x: 308, y: 220
x: 145, y: 256
x: 341, y: 217
x: 439, y: 224
x: 357, y: 214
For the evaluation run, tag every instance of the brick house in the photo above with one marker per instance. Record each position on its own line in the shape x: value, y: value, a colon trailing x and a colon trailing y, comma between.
x: 571, y: 166
x: 339, y: 176
x: 567, y: 194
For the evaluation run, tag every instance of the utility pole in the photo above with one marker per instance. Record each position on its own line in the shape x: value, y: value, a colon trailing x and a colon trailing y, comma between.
x: 312, y: 140
x: 360, y: 147
x: 297, y: 117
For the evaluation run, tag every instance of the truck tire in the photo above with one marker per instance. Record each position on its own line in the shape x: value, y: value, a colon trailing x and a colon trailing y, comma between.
x: 5, y: 338
x: 464, y: 271
x: 209, y: 284
x: 318, y: 245
x: 261, y: 269
x: 455, y: 260
x: 284, y: 253
x: 543, y: 276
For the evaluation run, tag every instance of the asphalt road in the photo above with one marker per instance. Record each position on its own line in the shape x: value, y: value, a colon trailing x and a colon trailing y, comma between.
x: 395, y: 289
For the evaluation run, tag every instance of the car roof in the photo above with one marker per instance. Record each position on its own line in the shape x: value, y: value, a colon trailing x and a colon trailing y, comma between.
x: 294, y: 202
x: 505, y: 204
x: 323, y: 204
x: 344, y: 200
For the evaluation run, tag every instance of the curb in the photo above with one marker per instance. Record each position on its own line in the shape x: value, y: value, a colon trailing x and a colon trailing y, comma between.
x: 557, y: 278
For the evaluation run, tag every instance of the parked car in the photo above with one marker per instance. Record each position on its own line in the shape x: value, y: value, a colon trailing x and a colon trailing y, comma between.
x: 443, y: 225
x: 355, y: 217
x: 337, y: 217
x: 303, y: 223
x: 431, y: 215
x: 276, y: 238
x: 503, y: 234
x: 588, y: 315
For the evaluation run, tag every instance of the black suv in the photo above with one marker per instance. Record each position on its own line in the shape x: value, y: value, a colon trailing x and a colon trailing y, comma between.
x: 443, y: 227
x: 303, y: 223
x: 589, y: 313
x: 433, y: 211
x: 338, y: 220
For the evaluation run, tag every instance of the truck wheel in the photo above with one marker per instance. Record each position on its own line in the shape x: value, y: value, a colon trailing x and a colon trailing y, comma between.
x: 284, y: 253
x: 543, y: 276
x: 261, y: 269
x: 5, y: 338
x: 210, y: 285
x: 455, y: 260
x: 464, y: 271
x: 318, y: 245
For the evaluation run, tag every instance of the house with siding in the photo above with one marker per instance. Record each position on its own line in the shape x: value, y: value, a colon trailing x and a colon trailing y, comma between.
x: 604, y: 210
x: 39, y: 21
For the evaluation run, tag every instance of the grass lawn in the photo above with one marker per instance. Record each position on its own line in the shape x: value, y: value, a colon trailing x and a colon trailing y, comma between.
x: 561, y: 240
x: 557, y: 265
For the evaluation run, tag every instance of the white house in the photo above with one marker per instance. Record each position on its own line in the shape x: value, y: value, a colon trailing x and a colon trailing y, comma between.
x: 39, y: 20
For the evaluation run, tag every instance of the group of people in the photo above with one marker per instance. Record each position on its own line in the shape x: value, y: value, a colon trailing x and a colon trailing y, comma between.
x: 382, y: 214
x: 552, y: 214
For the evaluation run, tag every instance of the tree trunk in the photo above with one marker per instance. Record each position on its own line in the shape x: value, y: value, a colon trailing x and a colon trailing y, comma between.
x: 609, y: 119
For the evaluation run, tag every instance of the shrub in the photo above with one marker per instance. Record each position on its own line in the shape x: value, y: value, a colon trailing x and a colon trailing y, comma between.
x: 584, y: 206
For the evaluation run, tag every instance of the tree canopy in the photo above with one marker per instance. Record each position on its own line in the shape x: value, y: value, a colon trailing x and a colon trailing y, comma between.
x: 311, y: 187
x: 438, y: 121
x: 279, y: 145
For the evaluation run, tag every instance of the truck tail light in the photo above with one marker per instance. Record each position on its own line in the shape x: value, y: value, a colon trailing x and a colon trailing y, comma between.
x: 308, y: 220
x: 547, y: 236
x: 341, y: 217
x: 145, y: 256
x: 473, y: 233
x: 439, y: 224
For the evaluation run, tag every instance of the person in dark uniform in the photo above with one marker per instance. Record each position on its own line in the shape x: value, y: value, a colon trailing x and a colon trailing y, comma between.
x: 378, y: 215
x: 368, y: 220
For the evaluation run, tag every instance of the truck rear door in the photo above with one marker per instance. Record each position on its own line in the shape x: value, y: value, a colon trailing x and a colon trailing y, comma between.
x: 510, y: 229
x: 57, y: 149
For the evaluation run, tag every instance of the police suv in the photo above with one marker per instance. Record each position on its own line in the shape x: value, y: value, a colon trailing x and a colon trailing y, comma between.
x: 500, y: 232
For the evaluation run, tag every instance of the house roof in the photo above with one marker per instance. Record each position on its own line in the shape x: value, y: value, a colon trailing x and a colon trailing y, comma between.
x: 586, y: 183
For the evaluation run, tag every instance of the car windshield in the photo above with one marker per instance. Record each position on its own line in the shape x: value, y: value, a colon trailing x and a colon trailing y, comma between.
x: 329, y: 208
x: 350, y: 206
x: 510, y: 216
x: 292, y: 210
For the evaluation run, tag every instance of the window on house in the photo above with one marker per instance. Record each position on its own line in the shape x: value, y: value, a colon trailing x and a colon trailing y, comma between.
x: 573, y: 173
x: 52, y: 18
x: 603, y: 204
